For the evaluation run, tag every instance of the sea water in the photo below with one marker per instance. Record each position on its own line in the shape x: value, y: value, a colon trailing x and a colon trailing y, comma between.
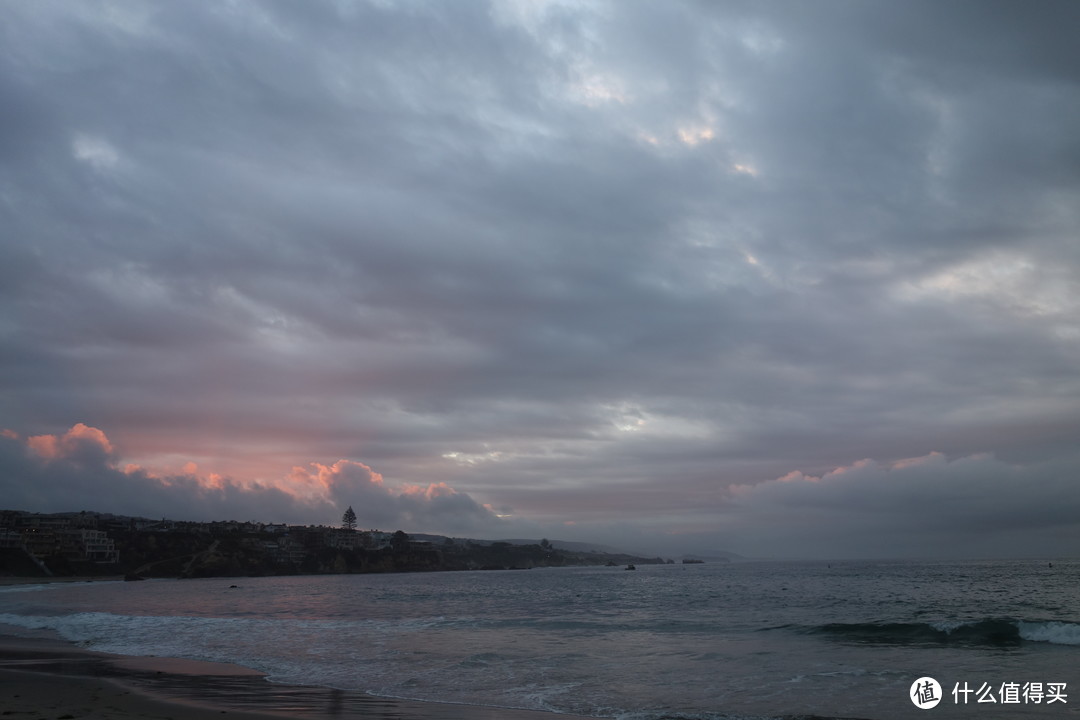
x: 714, y: 640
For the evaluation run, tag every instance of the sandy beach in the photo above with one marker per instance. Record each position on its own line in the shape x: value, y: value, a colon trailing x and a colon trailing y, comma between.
x: 42, y: 676
x: 48, y: 678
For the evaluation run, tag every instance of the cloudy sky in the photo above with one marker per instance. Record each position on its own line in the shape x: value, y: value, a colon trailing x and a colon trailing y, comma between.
x: 784, y: 279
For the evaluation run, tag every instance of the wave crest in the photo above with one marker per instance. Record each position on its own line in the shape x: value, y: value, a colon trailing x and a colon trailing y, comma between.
x: 997, y: 632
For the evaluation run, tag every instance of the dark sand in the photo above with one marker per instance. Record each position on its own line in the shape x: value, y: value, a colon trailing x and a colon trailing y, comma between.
x: 43, y: 678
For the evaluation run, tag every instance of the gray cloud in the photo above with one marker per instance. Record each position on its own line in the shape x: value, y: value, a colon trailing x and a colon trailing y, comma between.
x: 568, y: 259
x: 80, y: 469
x: 75, y: 470
x: 930, y: 506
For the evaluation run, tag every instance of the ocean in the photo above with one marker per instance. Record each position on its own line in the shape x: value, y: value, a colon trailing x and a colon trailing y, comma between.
x: 696, y: 642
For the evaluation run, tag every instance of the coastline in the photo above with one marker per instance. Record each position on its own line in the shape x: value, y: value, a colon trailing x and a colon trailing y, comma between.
x: 47, y: 677
x: 8, y: 580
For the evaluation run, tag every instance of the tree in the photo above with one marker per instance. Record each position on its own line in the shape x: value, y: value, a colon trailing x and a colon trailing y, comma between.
x: 348, y: 520
x: 545, y: 544
x: 399, y: 541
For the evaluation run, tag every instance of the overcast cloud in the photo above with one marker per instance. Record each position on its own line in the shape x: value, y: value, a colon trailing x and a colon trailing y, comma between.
x: 778, y: 278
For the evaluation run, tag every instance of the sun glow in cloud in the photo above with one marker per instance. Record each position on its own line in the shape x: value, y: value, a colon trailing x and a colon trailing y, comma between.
x: 695, y: 135
x: 474, y: 458
x: 597, y: 89
x: 1013, y: 282
x: 501, y: 513
x: 1012, y: 279
x: 630, y: 419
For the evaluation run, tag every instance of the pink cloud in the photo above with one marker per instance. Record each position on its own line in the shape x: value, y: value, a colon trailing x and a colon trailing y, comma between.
x: 47, y: 446
x: 81, y: 468
x: 434, y: 490
x: 436, y: 507
x: 68, y: 445
x: 863, y: 464
x: 933, y: 457
x: 336, y: 482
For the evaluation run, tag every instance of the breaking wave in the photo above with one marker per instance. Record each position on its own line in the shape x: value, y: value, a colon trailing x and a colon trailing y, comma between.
x: 999, y: 632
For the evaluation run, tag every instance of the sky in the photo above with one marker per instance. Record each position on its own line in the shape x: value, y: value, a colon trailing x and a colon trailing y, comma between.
x: 785, y: 279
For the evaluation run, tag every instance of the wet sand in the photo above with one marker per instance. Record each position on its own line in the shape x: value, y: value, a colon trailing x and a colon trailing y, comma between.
x: 42, y: 678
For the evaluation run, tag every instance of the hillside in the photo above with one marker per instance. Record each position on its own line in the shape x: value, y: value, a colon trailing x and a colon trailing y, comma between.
x: 89, y: 544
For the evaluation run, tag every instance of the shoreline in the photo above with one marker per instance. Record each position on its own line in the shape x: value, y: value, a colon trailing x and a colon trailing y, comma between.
x: 9, y: 580
x: 44, y: 677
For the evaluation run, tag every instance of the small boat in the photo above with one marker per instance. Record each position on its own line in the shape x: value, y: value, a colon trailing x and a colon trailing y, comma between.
x: 631, y: 567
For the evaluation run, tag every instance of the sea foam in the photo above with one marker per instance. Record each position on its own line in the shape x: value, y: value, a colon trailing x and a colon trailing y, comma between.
x: 1059, y: 633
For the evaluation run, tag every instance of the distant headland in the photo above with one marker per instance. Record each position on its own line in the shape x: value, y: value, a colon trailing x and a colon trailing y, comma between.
x: 103, y: 544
